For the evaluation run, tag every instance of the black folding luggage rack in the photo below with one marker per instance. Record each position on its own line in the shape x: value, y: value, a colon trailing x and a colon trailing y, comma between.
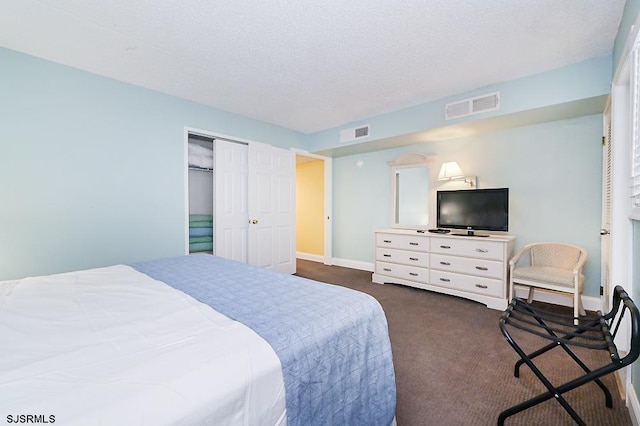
x: 591, y: 332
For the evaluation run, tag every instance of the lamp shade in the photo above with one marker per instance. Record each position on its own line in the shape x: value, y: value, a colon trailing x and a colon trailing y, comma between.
x: 450, y: 170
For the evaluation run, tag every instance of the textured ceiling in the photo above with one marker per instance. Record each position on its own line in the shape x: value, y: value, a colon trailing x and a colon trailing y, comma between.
x: 309, y: 65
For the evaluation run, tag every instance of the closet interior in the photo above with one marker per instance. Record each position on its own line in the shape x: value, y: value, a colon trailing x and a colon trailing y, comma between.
x: 201, y: 165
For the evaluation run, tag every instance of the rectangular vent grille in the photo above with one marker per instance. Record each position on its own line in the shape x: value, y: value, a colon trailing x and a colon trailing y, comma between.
x: 475, y: 105
x: 354, y: 133
x: 362, y: 132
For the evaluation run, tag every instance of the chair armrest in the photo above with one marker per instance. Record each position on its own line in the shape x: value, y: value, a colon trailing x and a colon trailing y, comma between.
x: 581, y: 261
x: 518, y: 255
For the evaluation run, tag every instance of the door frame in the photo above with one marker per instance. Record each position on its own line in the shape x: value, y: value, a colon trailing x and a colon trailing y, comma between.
x: 621, y: 226
x: 328, y: 197
x: 621, y: 239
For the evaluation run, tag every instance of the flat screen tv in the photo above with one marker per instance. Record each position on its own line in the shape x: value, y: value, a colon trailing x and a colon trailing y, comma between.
x: 473, y: 210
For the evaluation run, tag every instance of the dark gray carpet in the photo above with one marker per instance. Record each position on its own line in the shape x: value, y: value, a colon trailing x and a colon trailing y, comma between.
x: 454, y: 367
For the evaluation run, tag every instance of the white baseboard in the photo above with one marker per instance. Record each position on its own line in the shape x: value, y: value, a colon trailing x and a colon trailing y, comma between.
x: 345, y: 263
x: 590, y: 303
x: 633, y: 405
x: 353, y: 264
x: 310, y: 256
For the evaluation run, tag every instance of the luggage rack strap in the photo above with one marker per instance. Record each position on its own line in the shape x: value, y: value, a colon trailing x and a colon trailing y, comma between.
x: 592, y: 332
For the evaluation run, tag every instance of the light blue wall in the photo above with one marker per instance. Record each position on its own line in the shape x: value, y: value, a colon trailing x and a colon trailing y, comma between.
x: 92, y: 169
x: 553, y: 171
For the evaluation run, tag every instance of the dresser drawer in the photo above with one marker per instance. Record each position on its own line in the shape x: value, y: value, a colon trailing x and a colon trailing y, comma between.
x: 477, y: 247
x: 403, y: 242
x: 404, y: 272
x: 467, y: 265
x: 412, y: 258
x: 479, y: 285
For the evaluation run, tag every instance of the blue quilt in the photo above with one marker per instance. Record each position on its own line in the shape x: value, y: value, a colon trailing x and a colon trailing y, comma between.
x: 333, y: 342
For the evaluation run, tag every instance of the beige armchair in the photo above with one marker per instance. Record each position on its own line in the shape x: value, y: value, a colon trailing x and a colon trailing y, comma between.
x: 550, y: 266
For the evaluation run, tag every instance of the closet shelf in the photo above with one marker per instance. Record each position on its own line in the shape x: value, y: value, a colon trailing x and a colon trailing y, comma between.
x: 200, y: 169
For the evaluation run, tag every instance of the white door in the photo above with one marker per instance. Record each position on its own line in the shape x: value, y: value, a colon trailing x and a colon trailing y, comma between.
x: 231, y: 212
x: 272, y: 208
x: 605, y: 238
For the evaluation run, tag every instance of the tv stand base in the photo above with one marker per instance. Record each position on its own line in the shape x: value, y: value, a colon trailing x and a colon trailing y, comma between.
x: 469, y: 234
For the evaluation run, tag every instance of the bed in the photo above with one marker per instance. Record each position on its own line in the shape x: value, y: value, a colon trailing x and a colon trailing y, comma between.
x: 192, y: 340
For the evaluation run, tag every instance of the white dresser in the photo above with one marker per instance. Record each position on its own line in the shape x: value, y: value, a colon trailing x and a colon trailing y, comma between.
x: 475, y: 268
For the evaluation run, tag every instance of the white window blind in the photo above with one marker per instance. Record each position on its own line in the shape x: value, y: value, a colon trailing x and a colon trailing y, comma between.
x: 607, y: 166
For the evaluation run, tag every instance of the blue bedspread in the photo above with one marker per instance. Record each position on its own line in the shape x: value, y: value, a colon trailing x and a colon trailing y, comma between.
x: 332, y: 342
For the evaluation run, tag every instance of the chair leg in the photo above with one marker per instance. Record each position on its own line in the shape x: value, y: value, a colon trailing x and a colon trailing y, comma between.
x: 578, y: 309
x: 581, y: 306
x: 530, y: 298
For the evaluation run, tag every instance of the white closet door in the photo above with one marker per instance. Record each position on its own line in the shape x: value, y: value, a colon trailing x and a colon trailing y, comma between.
x: 231, y: 213
x: 272, y: 208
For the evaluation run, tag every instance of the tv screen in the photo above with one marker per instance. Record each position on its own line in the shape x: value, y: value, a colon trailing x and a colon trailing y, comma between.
x: 473, y: 209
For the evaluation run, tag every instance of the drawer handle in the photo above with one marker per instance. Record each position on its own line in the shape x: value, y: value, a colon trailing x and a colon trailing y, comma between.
x: 445, y: 247
x: 414, y: 244
x: 415, y: 259
x: 481, y: 285
x: 386, y: 269
x: 482, y: 268
x: 413, y: 274
x: 446, y: 280
x: 445, y: 263
x: 386, y: 255
x: 387, y: 241
x: 482, y: 250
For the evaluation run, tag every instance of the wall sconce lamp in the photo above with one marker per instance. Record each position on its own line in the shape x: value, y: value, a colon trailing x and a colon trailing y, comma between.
x: 452, y: 171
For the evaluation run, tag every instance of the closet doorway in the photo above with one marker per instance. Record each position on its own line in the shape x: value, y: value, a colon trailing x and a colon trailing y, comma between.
x: 200, y: 194
x: 313, y: 207
x: 250, y: 191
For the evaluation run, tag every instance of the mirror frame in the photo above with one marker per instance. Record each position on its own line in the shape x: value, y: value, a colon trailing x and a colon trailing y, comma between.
x: 411, y: 159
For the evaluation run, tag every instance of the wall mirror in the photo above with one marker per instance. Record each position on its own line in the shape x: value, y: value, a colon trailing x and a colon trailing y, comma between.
x: 410, y: 191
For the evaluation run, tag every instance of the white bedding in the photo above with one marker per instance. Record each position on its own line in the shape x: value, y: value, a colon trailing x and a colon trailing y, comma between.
x: 112, y: 346
x: 201, y: 161
x: 200, y: 156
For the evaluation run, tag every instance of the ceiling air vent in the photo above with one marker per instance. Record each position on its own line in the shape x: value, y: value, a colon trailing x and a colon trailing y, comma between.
x: 354, y: 133
x: 475, y: 105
